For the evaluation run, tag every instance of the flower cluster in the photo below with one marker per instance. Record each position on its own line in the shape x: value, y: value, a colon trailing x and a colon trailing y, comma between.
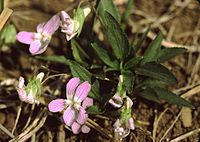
x: 40, y: 39
x: 125, y: 123
x: 74, y: 106
x: 32, y: 91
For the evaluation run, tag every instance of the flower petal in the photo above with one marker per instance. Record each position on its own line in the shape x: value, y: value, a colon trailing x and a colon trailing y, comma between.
x: 40, y: 27
x: 82, y: 91
x: 22, y: 94
x: 38, y: 47
x: 82, y: 116
x: 76, y: 128
x: 116, y: 101
x: 56, y: 105
x: 131, y: 124
x: 85, y: 129
x: 130, y: 102
x: 25, y: 37
x: 69, y: 116
x: 87, y: 102
x: 64, y: 16
x: 52, y: 25
x: 21, y: 82
x: 71, y: 87
x: 40, y: 76
x: 35, y: 47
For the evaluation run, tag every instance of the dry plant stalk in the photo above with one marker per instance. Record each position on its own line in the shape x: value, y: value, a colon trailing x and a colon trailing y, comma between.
x: 4, y: 16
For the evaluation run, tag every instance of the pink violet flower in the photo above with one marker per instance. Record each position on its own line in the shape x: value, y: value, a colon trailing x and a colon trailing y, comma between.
x: 40, y: 40
x: 74, y: 106
x: 123, y: 129
x: 68, y: 26
x: 31, y: 92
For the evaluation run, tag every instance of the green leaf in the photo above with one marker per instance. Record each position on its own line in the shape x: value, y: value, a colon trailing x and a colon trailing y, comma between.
x: 128, y: 80
x: 151, y: 83
x: 54, y: 58
x: 108, y: 5
x: 168, y: 53
x: 94, y: 110
x: 171, y: 98
x: 79, y: 71
x: 141, y: 40
x: 157, y: 71
x: 132, y: 63
x: 116, y: 36
x: 79, y: 18
x: 94, y: 93
x: 8, y: 34
x: 127, y: 13
x: 149, y: 94
x: 151, y: 54
x: 103, y: 55
x: 78, y: 53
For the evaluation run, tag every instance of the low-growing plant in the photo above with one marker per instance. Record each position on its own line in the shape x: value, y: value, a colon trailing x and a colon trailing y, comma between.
x: 108, y: 75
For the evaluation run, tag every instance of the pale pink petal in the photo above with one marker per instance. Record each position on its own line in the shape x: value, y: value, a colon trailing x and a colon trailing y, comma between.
x: 25, y: 37
x: 64, y: 16
x: 82, y: 91
x: 117, y: 124
x: 35, y: 47
x: 22, y: 94
x: 38, y: 47
x: 131, y: 124
x: 116, y: 101
x: 85, y: 129
x: 87, y: 102
x: 56, y: 105
x: 69, y: 116
x: 82, y: 116
x: 130, y: 102
x: 40, y: 27
x: 71, y: 87
x: 76, y: 128
x: 52, y: 25
x: 21, y: 82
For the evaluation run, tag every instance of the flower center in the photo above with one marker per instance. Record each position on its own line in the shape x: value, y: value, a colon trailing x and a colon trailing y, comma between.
x: 42, y: 36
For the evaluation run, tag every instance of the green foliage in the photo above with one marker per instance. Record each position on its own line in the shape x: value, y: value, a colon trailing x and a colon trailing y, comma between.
x: 132, y: 63
x: 94, y: 110
x: 104, y: 56
x: 54, y: 58
x: 139, y: 43
x: 157, y: 71
x: 153, y: 50
x: 116, y: 36
x: 164, y: 94
x: 80, y: 18
x: 149, y: 94
x: 128, y: 80
x: 8, y: 34
x: 127, y: 13
x: 108, y: 5
x: 78, y: 53
x: 168, y: 53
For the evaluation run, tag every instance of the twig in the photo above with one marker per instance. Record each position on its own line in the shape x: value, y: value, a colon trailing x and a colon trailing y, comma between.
x: 191, y: 92
x: 4, y: 16
x: 94, y: 125
x: 184, y: 136
x: 165, y: 134
x: 5, y: 130
x: 18, y: 115
x: 156, y: 124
